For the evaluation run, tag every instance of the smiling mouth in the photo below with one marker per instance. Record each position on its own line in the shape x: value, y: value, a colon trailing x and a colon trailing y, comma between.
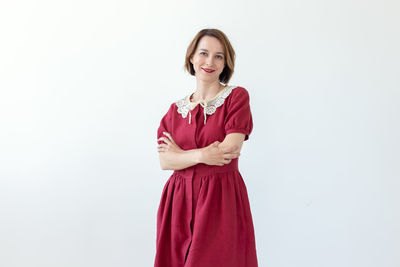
x: 207, y: 70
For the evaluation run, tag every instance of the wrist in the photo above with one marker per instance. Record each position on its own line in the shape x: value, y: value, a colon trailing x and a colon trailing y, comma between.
x: 196, y: 155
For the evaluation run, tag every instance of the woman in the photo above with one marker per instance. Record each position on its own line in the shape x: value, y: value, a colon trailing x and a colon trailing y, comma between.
x: 204, y: 217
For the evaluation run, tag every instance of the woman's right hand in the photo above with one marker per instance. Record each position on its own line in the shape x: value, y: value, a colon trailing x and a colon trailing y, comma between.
x: 213, y: 155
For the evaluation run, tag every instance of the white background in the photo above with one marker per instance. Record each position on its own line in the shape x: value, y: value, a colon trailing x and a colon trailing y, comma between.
x: 84, y: 85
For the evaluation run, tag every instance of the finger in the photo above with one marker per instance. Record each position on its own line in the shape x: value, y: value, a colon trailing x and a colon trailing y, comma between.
x: 169, y: 136
x: 231, y: 155
x: 166, y: 140
x: 161, y: 139
x: 163, y: 146
x: 226, y: 161
x: 234, y: 154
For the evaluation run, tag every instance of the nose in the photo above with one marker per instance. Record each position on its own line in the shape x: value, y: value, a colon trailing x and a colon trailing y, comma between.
x: 210, y: 61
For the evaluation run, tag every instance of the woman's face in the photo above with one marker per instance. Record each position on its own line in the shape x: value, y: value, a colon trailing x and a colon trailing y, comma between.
x: 209, y: 59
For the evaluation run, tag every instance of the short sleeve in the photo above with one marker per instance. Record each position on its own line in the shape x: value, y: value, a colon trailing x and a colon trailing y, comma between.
x: 239, y: 118
x: 165, y: 123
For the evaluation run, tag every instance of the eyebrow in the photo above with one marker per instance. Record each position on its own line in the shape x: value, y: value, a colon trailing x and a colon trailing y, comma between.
x: 207, y: 51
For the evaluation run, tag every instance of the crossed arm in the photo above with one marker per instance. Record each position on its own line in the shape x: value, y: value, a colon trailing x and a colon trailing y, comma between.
x: 172, y: 157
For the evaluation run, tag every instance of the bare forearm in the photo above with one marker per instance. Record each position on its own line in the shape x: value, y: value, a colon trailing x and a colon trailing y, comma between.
x: 170, y: 160
x: 216, y: 153
x: 233, y: 140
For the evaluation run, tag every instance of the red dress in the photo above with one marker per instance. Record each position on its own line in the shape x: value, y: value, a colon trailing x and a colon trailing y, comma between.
x: 204, y: 217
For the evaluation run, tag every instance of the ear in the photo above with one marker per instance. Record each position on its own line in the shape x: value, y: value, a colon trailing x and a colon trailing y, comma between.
x: 191, y: 59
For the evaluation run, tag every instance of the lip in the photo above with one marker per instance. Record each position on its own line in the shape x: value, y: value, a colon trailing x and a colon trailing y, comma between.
x: 207, y: 70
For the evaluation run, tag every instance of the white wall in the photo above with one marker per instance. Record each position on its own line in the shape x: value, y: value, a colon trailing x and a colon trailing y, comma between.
x: 83, y: 86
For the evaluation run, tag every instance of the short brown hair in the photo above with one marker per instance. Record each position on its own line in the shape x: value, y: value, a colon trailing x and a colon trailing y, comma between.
x: 227, y: 72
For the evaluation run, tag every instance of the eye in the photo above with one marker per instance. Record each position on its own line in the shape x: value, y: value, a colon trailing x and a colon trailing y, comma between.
x: 201, y: 53
x: 220, y: 57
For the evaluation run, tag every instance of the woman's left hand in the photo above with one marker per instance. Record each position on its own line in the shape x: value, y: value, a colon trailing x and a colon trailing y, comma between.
x: 169, y: 145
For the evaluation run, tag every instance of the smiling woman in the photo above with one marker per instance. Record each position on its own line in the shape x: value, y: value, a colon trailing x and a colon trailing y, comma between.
x: 221, y: 51
x: 204, y: 216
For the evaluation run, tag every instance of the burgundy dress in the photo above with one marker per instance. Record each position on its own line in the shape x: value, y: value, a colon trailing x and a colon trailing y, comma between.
x: 204, y: 217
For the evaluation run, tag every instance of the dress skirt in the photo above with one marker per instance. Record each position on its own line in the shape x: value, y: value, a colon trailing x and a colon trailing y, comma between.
x: 204, y: 220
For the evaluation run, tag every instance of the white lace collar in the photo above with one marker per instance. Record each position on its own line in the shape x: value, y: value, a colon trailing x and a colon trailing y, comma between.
x: 185, y: 106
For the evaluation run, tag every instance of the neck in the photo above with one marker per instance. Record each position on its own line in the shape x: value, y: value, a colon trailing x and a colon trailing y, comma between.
x: 206, y: 91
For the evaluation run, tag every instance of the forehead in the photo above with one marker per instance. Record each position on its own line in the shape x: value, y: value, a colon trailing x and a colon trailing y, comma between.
x: 209, y: 43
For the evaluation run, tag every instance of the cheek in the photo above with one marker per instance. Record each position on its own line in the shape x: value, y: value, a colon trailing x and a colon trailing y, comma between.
x: 195, y: 63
